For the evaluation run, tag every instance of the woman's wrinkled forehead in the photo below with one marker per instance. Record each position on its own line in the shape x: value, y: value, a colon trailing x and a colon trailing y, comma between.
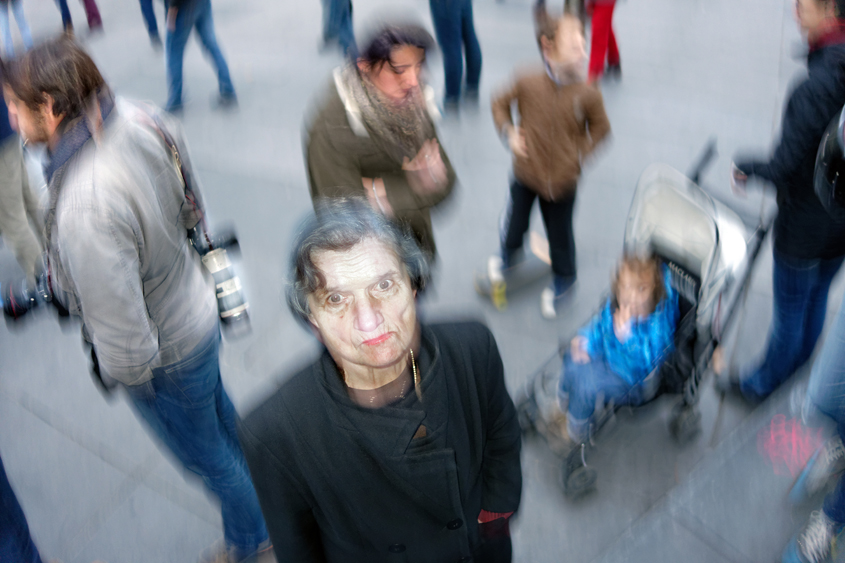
x: 364, y: 261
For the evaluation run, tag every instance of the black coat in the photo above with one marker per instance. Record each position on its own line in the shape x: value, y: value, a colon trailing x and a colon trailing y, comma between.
x: 803, y: 229
x: 341, y: 483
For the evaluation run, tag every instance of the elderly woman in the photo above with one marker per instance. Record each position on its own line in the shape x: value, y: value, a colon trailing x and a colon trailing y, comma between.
x: 400, y: 441
x: 373, y: 133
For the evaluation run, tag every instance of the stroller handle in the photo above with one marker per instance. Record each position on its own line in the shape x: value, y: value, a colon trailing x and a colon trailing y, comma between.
x: 706, y: 158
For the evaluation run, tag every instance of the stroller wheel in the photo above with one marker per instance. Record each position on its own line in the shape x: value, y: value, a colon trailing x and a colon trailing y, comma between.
x: 578, y: 479
x: 685, y: 423
x: 527, y: 413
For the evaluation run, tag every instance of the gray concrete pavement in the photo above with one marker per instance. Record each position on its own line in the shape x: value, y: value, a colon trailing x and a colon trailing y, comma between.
x: 95, y: 486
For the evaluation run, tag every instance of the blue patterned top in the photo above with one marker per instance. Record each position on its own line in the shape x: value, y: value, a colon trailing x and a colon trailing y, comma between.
x: 651, y: 339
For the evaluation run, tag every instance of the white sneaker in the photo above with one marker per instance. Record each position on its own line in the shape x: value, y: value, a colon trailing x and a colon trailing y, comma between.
x: 547, y: 303
x: 495, y: 267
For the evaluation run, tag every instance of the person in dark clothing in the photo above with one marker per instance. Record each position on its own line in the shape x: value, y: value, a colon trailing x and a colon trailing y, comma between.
x: 182, y: 16
x: 455, y: 32
x: 400, y: 441
x: 809, y: 244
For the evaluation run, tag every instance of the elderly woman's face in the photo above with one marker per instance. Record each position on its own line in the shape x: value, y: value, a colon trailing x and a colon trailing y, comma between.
x: 366, y: 313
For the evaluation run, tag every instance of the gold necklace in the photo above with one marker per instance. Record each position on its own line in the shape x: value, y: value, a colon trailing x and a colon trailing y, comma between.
x: 416, y: 377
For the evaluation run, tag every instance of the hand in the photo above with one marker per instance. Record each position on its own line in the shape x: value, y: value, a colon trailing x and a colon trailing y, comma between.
x: 578, y: 350
x: 171, y: 19
x: 427, y: 173
x: 516, y: 140
x: 738, y: 181
x: 377, y: 195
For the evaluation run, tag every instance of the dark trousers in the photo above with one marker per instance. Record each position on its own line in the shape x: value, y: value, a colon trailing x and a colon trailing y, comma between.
x: 557, y: 217
x: 454, y: 28
x: 15, y: 542
x: 800, y: 304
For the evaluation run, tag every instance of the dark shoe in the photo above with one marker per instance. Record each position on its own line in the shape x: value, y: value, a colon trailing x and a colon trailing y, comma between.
x: 155, y: 41
x: 614, y: 71
x: 451, y: 108
x: 471, y: 96
x: 176, y: 109
x: 226, y: 101
x: 732, y: 385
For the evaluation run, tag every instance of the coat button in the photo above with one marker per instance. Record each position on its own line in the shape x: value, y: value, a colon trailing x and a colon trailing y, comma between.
x: 455, y: 524
x: 396, y: 548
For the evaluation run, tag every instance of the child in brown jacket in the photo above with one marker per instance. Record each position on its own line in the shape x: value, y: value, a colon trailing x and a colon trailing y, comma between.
x: 561, y: 120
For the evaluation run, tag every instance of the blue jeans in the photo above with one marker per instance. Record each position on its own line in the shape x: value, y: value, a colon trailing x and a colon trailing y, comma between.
x: 192, y: 414
x: 150, y: 17
x: 584, y: 384
x: 6, y: 28
x: 454, y: 28
x: 337, y: 24
x: 800, y: 288
x: 194, y: 14
x: 15, y: 542
x: 826, y: 396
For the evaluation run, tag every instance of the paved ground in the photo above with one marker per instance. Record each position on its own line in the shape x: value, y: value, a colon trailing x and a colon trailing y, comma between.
x: 95, y: 486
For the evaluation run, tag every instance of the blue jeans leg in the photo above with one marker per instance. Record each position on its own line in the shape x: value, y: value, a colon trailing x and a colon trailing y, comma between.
x: 800, y: 290
x: 584, y: 384
x: 471, y: 46
x: 446, y: 15
x: 65, y: 11
x: 192, y: 414
x: 23, y: 26
x: 149, y: 17
x: 175, y: 47
x: 15, y: 542
x: 205, y: 28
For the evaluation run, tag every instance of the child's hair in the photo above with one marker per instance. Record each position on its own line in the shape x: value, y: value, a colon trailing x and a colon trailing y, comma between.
x: 649, y: 267
x: 546, y: 25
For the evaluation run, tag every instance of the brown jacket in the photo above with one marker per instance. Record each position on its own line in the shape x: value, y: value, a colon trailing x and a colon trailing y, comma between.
x: 339, y: 151
x: 561, y: 124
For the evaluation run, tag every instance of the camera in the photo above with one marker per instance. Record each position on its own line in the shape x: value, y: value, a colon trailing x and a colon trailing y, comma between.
x: 232, y: 305
x: 19, y: 296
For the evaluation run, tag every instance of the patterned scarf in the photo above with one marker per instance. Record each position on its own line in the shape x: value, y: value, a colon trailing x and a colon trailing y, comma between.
x: 399, y: 129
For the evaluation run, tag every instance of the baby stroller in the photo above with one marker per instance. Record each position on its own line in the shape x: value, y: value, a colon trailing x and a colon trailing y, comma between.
x: 710, y: 252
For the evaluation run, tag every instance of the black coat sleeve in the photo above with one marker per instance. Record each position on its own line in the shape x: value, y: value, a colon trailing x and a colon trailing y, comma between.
x: 804, y: 122
x: 501, y: 470
x: 289, y: 518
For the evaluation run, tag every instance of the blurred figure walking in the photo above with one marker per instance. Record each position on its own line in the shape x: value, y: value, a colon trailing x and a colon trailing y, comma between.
x: 182, y: 17
x: 561, y: 122
x: 20, y: 221
x: 6, y: 27
x: 95, y: 23
x: 603, y: 47
x: 120, y: 214
x: 809, y: 244
x: 455, y: 30
x: 337, y: 27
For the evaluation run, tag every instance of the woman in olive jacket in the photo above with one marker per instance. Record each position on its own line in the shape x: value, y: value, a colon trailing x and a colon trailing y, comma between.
x: 373, y: 133
x: 400, y: 441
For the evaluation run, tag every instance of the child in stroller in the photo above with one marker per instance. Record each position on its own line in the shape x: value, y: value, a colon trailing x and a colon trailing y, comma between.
x: 621, y: 345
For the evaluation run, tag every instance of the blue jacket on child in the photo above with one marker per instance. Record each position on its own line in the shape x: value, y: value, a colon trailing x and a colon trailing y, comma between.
x: 650, y: 341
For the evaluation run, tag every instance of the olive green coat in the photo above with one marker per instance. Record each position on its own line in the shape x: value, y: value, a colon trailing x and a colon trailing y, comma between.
x: 340, y: 150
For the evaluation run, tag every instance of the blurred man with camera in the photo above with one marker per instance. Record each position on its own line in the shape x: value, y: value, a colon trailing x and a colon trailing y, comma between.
x: 119, y: 257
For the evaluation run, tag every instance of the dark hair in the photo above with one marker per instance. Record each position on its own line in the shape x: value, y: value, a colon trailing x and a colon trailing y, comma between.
x: 338, y: 225
x: 58, y: 68
x: 646, y: 266
x: 546, y: 25
x: 387, y: 37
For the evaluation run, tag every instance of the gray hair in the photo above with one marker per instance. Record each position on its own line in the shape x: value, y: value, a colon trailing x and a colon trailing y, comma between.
x: 338, y: 225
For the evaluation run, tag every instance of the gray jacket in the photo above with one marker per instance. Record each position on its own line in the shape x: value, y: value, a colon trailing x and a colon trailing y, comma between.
x: 119, y: 252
